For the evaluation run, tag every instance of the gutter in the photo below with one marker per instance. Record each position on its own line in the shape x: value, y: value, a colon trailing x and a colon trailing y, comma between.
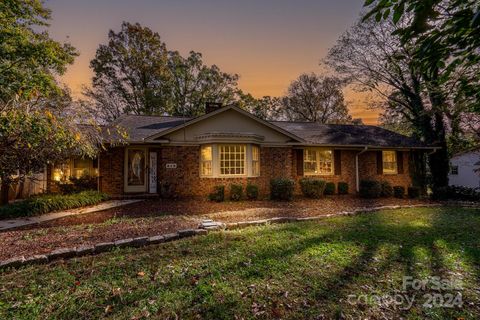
x: 357, y: 178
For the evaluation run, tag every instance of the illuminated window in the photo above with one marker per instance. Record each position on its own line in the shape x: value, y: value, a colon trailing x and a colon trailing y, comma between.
x: 232, y: 159
x: 255, y: 161
x: 389, y: 162
x: 82, y: 167
x: 206, y: 161
x: 318, y: 162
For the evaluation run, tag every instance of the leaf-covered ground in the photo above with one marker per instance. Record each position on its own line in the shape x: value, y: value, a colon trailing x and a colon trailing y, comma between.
x: 332, y: 268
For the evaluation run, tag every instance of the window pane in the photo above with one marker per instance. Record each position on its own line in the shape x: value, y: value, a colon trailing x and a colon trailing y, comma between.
x: 255, y: 161
x: 389, y: 161
x: 233, y: 159
x: 206, y: 161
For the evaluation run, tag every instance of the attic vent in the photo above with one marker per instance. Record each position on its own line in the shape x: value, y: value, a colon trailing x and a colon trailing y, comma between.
x: 212, y: 106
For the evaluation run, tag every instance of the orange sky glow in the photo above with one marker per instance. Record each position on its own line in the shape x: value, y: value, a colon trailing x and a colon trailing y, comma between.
x: 268, y: 43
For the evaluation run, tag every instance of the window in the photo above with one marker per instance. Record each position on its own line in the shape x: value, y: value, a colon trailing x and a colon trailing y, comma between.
x: 225, y: 160
x: 389, y: 162
x: 255, y: 161
x: 318, y: 162
x: 206, y: 161
x: 232, y: 159
x: 454, y: 170
x: 83, y: 167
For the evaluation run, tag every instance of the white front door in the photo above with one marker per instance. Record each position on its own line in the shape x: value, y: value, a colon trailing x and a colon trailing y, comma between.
x: 135, y: 169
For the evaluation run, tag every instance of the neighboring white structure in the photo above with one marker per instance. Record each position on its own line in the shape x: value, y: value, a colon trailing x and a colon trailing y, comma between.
x: 463, y: 168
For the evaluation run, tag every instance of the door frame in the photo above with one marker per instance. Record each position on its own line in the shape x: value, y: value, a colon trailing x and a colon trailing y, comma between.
x: 141, y: 188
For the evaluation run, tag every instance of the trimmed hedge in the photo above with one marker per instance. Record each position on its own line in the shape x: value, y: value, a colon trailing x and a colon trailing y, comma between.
x: 457, y: 193
x: 53, y: 202
x: 387, y: 190
x: 252, y: 191
x: 236, y: 192
x: 399, y: 192
x: 312, y: 188
x: 370, y: 189
x: 329, y: 188
x: 76, y: 185
x: 218, y: 194
x: 281, y: 189
x: 342, y: 188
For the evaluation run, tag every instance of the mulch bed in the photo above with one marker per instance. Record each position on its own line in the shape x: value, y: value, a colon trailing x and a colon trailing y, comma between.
x: 154, y: 217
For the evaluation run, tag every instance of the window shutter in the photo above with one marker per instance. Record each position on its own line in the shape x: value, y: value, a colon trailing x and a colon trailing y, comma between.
x: 399, y: 162
x: 379, y: 162
x: 299, y: 155
x: 337, y: 162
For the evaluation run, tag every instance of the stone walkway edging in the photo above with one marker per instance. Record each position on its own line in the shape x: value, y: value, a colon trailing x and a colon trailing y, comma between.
x: 67, y: 253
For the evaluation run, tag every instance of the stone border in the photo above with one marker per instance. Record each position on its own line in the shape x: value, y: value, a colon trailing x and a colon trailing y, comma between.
x: 209, y: 225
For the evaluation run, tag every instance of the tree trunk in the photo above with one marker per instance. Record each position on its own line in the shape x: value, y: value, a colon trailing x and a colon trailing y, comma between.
x: 439, y: 161
x: 4, y: 193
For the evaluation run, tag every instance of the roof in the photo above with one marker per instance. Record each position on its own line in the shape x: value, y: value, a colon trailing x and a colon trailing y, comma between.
x: 141, y: 127
x: 348, y: 135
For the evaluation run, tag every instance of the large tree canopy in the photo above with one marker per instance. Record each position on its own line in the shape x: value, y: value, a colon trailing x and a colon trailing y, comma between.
x: 315, y: 98
x: 135, y: 73
x: 29, y: 58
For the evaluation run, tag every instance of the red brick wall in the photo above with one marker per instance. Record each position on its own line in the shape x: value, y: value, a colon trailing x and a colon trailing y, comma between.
x: 368, y: 170
x: 347, y: 172
x: 186, y: 180
x: 111, y: 170
x: 274, y: 162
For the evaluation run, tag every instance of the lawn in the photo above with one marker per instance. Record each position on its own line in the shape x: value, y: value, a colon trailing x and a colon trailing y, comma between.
x: 330, y: 268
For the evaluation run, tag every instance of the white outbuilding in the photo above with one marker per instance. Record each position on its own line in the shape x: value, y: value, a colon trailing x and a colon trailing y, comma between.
x: 465, y: 169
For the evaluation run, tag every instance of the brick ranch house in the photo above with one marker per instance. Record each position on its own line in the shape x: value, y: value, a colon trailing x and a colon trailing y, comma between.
x: 189, y: 156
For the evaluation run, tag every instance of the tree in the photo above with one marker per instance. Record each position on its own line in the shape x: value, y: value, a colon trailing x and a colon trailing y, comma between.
x: 266, y: 108
x: 135, y: 73
x: 29, y: 59
x: 194, y: 84
x: 32, y: 136
x: 131, y: 73
x: 446, y: 34
x: 373, y: 56
x: 315, y: 98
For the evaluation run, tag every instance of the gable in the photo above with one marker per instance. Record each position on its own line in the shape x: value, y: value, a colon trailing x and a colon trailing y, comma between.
x: 228, y: 125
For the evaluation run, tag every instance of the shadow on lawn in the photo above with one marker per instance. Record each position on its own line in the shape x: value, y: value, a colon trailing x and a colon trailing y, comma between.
x: 417, y: 253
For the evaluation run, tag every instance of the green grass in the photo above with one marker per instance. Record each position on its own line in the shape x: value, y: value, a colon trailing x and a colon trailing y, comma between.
x: 296, y: 270
x: 51, y: 202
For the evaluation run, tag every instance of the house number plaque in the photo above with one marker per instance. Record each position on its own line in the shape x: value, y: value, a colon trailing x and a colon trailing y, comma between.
x: 171, y: 166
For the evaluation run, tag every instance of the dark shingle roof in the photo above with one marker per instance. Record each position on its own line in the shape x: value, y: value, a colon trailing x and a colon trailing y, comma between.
x: 348, y: 135
x: 139, y: 127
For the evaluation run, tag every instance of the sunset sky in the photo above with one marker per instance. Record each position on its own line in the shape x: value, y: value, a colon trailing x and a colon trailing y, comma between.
x: 268, y: 43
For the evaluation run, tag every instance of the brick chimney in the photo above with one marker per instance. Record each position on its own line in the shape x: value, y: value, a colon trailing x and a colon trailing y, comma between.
x: 212, y: 106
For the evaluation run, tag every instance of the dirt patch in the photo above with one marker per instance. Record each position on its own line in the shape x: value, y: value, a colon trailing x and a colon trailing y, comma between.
x: 154, y: 217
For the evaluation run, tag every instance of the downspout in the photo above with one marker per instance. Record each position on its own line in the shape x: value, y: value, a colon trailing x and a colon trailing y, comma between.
x: 357, y: 178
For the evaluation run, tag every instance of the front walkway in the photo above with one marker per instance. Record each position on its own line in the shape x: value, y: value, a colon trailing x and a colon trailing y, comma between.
x: 23, y: 222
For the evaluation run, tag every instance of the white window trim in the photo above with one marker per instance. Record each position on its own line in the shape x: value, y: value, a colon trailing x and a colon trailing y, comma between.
x: 248, y: 172
x: 316, y: 150
x: 395, y: 170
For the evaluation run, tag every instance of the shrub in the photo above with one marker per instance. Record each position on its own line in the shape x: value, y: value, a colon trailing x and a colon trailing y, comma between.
x: 399, y: 192
x: 252, y: 191
x: 370, y: 189
x: 167, y: 190
x: 457, y: 193
x: 281, y: 189
x: 76, y: 185
x: 387, y: 190
x: 413, y: 192
x: 236, y: 192
x: 329, y: 188
x: 342, y: 188
x: 52, y: 202
x: 312, y: 188
x: 218, y: 194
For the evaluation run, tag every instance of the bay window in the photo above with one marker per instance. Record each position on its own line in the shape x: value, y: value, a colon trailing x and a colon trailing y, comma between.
x: 317, y: 161
x: 229, y: 160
